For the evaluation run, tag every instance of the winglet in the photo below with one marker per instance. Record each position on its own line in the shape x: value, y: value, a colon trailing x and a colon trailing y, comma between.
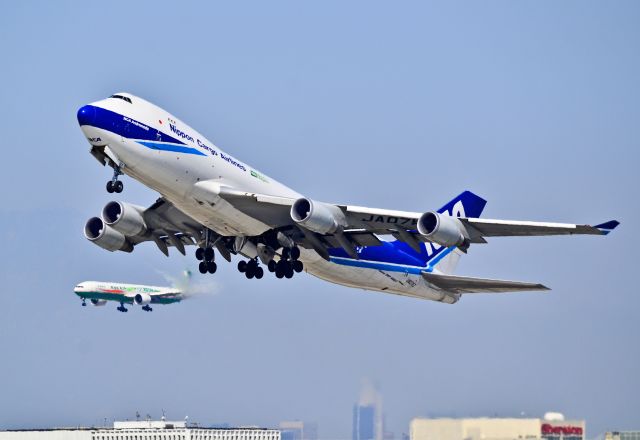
x: 607, y: 227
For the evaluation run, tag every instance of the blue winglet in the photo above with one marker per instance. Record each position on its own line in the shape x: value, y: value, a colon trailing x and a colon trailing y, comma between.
x: 607, y: 227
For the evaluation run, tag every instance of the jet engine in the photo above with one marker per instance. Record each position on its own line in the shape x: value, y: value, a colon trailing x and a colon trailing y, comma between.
x: 98, y: 302
x: 441, y: 229
x: 105, y: 236
x: 124, y: 218
x: 142, y: 299
x: 316, y: 216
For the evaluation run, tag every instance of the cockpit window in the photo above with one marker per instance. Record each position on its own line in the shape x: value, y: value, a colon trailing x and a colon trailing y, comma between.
x: 124, y: 98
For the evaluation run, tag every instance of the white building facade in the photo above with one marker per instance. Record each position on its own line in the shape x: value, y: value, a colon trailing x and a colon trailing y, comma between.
x: 485, y: 428
x: 145, y: 430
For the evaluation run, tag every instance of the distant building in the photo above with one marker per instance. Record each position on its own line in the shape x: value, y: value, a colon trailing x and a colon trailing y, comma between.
x: 367, y: 414
x: 298, y: 430
x: 144, y: 430
x: 622, y: 435
x: 552, y: 427
x: 364, y: 422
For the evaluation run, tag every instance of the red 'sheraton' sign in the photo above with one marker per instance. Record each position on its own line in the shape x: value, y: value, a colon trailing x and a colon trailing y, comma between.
x: 565, y: 430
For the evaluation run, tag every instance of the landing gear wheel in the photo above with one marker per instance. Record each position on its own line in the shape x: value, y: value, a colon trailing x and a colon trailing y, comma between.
x: 208, y: 254
x: 199, y: 253
x: 212, y: 267
x: 288, y: 271
x: 84, y: 303
x: 259, y: 273
x: 295, y: 253
x: 279, y: 272
x: 271, y: 266
x: 285, y: 253
x: 118, y: 186
x: 252, y: 267
x: 242, y: 266
x: 110, y: 188
x: 202, y: 267
x: 297, y: 266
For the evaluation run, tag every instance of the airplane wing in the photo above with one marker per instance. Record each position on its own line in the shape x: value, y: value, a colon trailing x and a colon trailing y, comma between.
x: 357, y: 225
x: 458, y: 284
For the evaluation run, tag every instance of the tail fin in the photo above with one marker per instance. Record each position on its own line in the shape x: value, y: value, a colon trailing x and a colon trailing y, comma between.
x: 467, y: 204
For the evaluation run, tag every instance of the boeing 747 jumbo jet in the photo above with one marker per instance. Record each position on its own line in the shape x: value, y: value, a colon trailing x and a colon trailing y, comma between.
x: 212, y: 200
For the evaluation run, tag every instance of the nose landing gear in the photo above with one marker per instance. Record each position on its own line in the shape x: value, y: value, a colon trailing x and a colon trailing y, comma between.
x: 115, y: 185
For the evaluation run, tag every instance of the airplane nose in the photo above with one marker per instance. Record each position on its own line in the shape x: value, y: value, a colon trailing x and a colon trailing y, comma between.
x: 86, y: 115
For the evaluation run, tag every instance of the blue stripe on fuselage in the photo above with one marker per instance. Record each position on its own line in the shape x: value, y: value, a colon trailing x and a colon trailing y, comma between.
x: 389, y: 256
x: 128, y: 127
x: 171, y: 147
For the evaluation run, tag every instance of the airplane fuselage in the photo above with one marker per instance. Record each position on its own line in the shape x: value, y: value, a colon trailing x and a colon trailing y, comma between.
x: 99, y: 291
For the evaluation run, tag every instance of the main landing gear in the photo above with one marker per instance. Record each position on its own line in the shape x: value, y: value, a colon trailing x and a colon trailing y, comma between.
x: 288, y: 264
x: 115, y: 185
x: 147, y: 308
x: 206, y: 257
x: 284, y: 268
x: 251, y: 269
x: 122, y: 308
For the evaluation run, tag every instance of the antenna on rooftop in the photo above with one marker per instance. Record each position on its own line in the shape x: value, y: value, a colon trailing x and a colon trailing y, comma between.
x: 163, y: 418
x: 137, y: 416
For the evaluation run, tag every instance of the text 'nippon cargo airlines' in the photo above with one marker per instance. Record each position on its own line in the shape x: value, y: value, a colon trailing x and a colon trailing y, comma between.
x: 99, y: 292
x: 213, y: 200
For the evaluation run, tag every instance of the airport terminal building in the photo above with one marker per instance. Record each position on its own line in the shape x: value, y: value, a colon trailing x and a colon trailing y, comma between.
x: 552, y: 427
x: 144, y: 430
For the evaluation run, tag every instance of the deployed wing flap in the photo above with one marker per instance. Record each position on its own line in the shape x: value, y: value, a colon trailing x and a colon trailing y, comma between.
x: 362, y: 238
x: 374, y: 219
x: 458, y: 284
x: 509, y: 228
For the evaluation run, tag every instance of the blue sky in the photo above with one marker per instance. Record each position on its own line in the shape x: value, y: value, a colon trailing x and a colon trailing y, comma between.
x: 533, y: 105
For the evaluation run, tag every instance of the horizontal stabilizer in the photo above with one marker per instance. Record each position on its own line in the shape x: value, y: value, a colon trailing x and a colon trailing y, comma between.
x: 456, y: 284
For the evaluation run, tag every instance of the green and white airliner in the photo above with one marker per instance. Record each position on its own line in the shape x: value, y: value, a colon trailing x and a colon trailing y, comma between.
x: 99, y: 292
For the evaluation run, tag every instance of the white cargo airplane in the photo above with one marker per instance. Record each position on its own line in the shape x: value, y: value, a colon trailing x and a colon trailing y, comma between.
x: 213, y: 200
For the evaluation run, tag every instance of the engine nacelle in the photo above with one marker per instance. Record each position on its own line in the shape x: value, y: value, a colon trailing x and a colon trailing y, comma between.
x: 105, y: 236
x: 124, y: 218
x: 316, y: 216
x: 98, y: 302
x: 142, y: 299
x: 441, y: 229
